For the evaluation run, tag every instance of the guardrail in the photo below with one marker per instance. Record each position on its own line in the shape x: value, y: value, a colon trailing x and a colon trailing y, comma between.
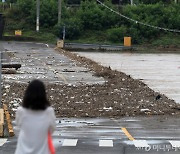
x: 80, y: 46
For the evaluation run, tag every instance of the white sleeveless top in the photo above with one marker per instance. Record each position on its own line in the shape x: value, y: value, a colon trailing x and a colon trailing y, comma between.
x: 34, y: 127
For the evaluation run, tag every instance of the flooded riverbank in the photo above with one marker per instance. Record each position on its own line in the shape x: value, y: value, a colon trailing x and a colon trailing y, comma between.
x: 159, y: 71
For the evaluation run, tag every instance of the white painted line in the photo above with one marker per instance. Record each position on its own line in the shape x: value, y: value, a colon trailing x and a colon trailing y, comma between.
x: 70, y: 142
x: 105, y: 143
x: 56, y: 133
x: 2, y: 141
x: 140, y: 143
x: 175, y: 143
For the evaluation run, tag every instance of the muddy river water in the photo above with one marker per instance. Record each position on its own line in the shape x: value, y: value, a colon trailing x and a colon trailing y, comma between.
x: 159, y: 71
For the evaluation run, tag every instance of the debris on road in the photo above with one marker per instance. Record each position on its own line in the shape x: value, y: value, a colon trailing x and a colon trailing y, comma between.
x: 120, y: 95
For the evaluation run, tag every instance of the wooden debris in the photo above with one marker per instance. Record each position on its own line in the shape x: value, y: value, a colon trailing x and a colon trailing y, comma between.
x: 1, y: 122
x: 16, y: 66
x: 8, y: 71
x: 8, y: 119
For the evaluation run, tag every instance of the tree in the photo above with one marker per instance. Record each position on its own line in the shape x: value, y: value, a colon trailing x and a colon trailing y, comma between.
x: 48, y: 13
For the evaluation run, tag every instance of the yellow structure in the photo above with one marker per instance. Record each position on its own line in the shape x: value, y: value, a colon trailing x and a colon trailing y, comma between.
x: 18, y: 32
x: 60, y: 43
x: 1, y: 122
x: 127, y: 41
x: 8, y: 120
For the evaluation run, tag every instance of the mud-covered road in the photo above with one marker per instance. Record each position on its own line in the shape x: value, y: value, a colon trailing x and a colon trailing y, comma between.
x: 79, y: 87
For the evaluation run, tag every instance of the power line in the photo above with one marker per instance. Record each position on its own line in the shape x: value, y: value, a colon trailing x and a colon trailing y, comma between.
x: 138, y: 22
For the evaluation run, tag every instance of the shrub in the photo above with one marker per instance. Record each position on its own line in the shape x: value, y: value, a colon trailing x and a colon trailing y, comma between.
x: 116, y: 34
x: 73, y: 28
x: 48, y: 13
x: 95, y: 17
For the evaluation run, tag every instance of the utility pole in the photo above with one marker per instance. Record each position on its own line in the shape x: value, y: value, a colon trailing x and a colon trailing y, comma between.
x: 0, y: 79
x: 59, y: 11
x: 37, y: 13
x: 1, y: 53
x: 132, y: 2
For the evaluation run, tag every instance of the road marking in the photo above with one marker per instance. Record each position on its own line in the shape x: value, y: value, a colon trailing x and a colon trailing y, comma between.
x: 57, y: 73
x: 105, y: 143
x: 2, y: 141
x: 140, y: 143
x: 70, y: 142
x: 137, y: 143
x: 127, y: 134
x: 175, y: 143
x: 62, y: 77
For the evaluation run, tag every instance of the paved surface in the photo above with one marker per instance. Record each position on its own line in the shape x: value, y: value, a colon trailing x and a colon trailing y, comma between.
x: 4, y: 56
x: 112, y: 136
x: 159, y: 71
x: 153, y: 135
x: 40, y: 61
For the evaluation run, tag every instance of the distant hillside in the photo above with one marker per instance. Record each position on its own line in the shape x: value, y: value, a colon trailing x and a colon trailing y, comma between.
x: 91, y: 22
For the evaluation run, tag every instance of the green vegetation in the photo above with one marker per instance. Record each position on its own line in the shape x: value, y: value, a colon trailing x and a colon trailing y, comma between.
x: 29, y: 35
x: 167, y: 40
x: 42, y: 36
x: 92, y: 23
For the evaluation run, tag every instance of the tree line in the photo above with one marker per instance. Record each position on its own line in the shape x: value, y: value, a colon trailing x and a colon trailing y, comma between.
x: 91, y: 18
x: 113, y: 1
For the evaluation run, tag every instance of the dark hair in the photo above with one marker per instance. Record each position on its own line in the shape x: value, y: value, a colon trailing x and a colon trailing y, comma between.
x: 35, y: 96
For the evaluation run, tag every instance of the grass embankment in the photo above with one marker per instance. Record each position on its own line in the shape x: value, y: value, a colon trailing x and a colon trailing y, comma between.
x: 41, y: 36
x: 169, y: 42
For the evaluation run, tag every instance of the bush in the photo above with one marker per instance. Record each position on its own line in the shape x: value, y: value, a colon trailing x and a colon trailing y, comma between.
x: 14, y: 22
x: 95, y: 17
x: 155, y: 15
x: 48, y: 13
x: 116, y: 34
x: 154, y: 1
x: 73, y: 29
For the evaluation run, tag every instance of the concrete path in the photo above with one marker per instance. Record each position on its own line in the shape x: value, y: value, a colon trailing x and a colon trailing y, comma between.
x: 4, y: 56
x: 40, y: 61
x: 159, y: 71
x: 155, y: 135
x: 152, y: 135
